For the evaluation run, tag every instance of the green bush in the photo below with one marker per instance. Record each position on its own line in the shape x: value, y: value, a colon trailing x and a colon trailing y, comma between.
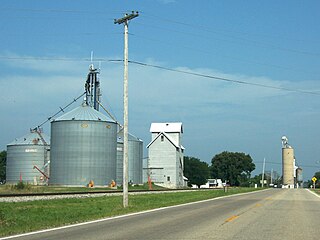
x: 22, y: 186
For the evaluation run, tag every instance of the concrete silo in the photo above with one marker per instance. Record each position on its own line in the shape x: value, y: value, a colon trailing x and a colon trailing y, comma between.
x: 299, y: 177
x: 288, y: 164
x: 135, y: 159
x: 83, y: 143
x: 26, y: 156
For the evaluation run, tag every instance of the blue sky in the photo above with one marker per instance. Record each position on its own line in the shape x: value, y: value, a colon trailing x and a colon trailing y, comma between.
x: 45, y: 52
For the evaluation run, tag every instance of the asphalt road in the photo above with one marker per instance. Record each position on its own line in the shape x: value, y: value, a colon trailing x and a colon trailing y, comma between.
x: 272, y: 214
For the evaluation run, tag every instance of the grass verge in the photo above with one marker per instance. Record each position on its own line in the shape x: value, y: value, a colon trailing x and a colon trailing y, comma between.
x: 317, y: 191
x: 24, y: 217
x: 28, y: 188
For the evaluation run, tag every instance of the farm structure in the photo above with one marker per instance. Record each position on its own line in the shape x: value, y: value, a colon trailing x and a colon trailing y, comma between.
x: 28, y: 158
x: 165, y: 164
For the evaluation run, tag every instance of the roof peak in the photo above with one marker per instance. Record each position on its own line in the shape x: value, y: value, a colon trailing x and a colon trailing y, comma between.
x: 31, y: 138
x: 84, y: 112
x: 167, y: 127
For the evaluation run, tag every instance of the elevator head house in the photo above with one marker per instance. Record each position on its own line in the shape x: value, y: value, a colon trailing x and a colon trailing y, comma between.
x: 166, y: 155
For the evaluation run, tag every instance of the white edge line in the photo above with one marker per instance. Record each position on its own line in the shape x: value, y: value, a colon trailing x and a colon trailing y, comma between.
x: 313, y: 193
x: 126, y: 215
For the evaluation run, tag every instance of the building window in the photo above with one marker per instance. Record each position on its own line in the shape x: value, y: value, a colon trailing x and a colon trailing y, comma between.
x: 168, y: 178
x: 162, y: 138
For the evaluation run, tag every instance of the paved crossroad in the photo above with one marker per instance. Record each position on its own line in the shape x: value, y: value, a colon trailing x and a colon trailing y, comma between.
x: 272, y: 214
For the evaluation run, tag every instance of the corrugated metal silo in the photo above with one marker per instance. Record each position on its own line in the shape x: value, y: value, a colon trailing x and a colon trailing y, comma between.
x: 135, y: 159
x: 119, y: 178
x: 23, y: 154
x: 83, y: 148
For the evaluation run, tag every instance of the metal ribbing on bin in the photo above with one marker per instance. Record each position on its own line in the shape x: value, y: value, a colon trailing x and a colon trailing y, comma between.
x: 135, y: 159
x: 83, y: 143
x: 23, y: 154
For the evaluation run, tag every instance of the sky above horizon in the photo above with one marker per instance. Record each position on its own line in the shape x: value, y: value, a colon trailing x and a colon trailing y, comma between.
x: 238, y: 75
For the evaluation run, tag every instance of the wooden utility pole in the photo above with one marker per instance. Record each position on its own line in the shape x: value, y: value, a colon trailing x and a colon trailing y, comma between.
x: 263, y: 166
x: 125, y: 21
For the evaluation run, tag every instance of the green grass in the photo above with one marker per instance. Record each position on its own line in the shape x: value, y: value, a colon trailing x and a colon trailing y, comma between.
x: 317, y: 190
x: 24, y: 217
x: 7, y: 189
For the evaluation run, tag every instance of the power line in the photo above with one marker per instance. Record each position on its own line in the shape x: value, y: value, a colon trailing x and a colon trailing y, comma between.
x: 164, y: 68
x: 225, y: 56
x: 222, y: 33
x: 194, y: 26
x: 70, y: 34
x: 58, y: 10
x: 300, y: 165
x: 61, y: 110
x: 224, y: 79
x: 118, y: 60
x: 59, y: 59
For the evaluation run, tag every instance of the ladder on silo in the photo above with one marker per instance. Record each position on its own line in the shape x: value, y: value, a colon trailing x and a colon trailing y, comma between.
x: 37, y: 130
x: 46, y: 146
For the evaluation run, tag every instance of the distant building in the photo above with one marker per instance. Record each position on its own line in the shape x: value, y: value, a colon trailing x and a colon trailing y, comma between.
x: 211, y: 183
x: 166, y: 155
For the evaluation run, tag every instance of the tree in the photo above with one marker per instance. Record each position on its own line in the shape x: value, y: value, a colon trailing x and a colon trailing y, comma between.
x: 196, y: 171
x: 308, y: 184
x: 256, y: 180
x: 277, y: 180
x: 317, y: 175
x: 3, y: 159
x: 234, y: 167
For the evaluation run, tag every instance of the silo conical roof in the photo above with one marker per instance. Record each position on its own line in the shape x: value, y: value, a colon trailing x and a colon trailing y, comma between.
x: 131, y: 137
x: 84, y: 112
x: 31, y: 138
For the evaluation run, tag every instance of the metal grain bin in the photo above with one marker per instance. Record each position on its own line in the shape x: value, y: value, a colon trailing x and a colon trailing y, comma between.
x: 83, y: 148
x: 23, y: 154
x: 119, y: 178
x: 135, y: 158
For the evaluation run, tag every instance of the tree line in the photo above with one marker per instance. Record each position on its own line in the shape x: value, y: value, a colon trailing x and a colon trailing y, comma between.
x: 234, y: 168
x: 3, y: 161
x: 317, y: 183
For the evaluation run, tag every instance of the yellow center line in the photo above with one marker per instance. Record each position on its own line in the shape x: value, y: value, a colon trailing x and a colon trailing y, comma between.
x: 234, y: 217
x: 230, y: 219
